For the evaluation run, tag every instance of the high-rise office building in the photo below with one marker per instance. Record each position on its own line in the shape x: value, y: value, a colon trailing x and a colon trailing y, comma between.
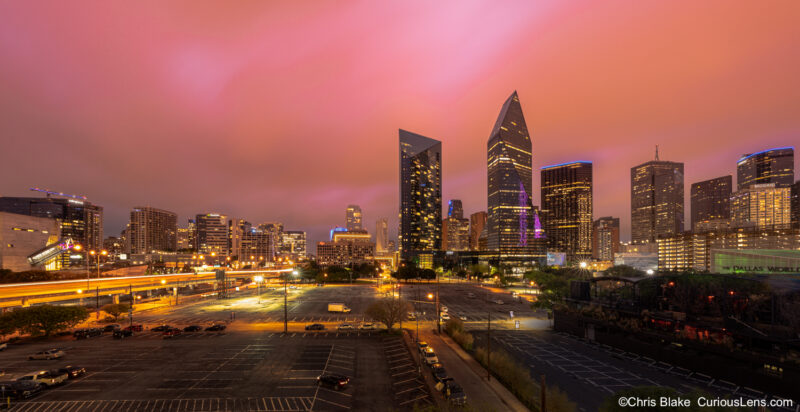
x: 656, y: 200
x: 78, y: 219
x: 605, y: 238
x: 212, y: 234
x: 509, y: 162
x: 420, y: 194
x: 382, y: 236
x: 184, y: 239
x: 761, y: 206
x: 477, y: 222
x: 455, y: 229
x: 567, y: 208
x: 353, y: 217
x: 796, y: 203
x: 767, y: 166
x: 711, y: 201
x: 153, y: 230
x: 293, y: 244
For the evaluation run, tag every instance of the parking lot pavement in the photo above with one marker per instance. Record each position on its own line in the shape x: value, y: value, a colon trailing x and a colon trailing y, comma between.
x: 260, y: 371
x: 408, y: 386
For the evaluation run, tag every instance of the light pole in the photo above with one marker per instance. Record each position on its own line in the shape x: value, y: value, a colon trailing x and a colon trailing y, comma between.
x: 285, y: 302
x: 258, y: 280
x: 438, y: 307
x: 97, y: 289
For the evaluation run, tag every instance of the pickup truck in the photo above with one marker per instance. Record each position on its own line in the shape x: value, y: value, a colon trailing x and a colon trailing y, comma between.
x: 46, y: 378
x: 338, y: 307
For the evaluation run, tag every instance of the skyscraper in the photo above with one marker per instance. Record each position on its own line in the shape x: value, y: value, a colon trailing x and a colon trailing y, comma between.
x: 353, y: 217
x: 212, y: 234
x: 796, y: 204
x: 382, y: 236
x: 477, y: 222
x: 763, y: 206
x: 656, y: 200
x: 509, y: 162
x: 605, y: 238
x: 153, y: 229
x: 567, y: 208
x: 767, y: 166
x: 455, y: 229
x: 420, y: 194
x: 711, y: 200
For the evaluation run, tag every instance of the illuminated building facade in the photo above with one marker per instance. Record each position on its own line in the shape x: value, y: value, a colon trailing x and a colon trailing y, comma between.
x: 420, y: 194
x: 477, y: 225
x: 767, y: 166
x: 212, y: 234
x: 346, y: 249
x: 605, y: 238
x: 24, y: 235
x: 795, y: 204
x: 152, y: 230
x: 353, y: 217
x: 656, y: 200
x: 455, y: 229
x: 293, y: 245
x: 711, y: 202
x: 567, y: 208
x: 510, y: 219
x: 761, y: 206
x: 78, y: 220
x: 382, y: 236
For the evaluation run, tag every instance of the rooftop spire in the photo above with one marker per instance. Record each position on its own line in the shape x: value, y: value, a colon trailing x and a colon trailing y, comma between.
x: 656, y: 152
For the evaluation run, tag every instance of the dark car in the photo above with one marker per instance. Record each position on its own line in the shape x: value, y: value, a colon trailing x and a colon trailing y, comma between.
x: 438, y: 371
x: 111, y: 328
x: 193, y: 328
x: 172, y: 332
x: 216, y: 328
x: 134, y: 328
x: 454, y: 393
x: 119, y: 334
x: 72, y: 371
x: 162, y: 328
x: 315, y: 326
x: 87, y: 333
x: 19, y: 389
x: 333, y: 380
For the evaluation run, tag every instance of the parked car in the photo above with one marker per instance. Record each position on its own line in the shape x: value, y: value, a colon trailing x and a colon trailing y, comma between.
x: 429, y: 356
x: 47, y: 354
x: 134, y: 328
x: 412, y: 317
x: 72, y: 371
x: 443, y: 308
x: 438, y: 371
x: 367, y: 326
x: 46, y: 378
x: 3, y: 346
x: 87, y: 333
x: 421, y: 346
x: 193, y: 328
x: 445, y: 316
x: 216, y: 328
x: 471, y: 295
x: 111, y: 328
x: 334, y: 380
x: 454, y: 393
x: 499, y: 301
x: 162, y: 328
x: 315, y: 326
x: 172, y: 332
x: 462, y: 317
x: 120, y: 334
x: 345, y: 326
x: 19, y: 389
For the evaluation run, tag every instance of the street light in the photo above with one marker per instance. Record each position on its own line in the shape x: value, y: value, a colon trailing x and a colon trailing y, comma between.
x: 258, y: 280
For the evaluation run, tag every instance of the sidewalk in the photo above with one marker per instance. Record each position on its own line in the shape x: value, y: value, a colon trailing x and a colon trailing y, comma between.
x: 506, y: 397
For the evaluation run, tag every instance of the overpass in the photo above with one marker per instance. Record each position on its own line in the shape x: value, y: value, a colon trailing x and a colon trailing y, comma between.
x: 24, y: 294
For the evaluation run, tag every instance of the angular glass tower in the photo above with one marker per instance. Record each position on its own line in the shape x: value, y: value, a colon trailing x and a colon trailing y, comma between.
x: 420, y: 194
x: 511, y: 215
x: 656, y: 200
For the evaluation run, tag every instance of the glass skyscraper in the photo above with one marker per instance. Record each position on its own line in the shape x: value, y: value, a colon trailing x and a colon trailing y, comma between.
x: 510, y: 225
x: 767, y: 166
x: 567, y: 208
x: 656, y: 200
x: 420, y: 194
x: 711, y: 201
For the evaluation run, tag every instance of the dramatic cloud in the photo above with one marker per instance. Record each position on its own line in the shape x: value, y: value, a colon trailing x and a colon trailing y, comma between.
x: 289, y: 111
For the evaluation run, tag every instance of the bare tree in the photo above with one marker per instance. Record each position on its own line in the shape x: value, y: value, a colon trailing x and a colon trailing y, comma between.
x: 388, y: 311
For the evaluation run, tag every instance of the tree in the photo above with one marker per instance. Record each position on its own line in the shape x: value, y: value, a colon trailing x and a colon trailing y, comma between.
x: 7, y: 324
x: 46, y: 319
x: 388, y: 311
x: 115, y: 309
x: 624, y: 271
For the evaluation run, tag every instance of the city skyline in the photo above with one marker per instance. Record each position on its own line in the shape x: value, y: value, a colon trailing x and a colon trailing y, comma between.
x: 215, y: 141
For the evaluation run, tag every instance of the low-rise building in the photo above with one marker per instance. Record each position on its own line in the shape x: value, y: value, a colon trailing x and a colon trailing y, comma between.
x: 22, y: 236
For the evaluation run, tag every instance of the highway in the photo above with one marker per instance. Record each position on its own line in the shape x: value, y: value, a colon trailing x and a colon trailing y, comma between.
x: 22, y: 294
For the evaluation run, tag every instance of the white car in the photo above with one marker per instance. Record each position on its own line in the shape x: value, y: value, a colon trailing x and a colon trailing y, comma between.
x: 443, y: 308
x: 429, y: 356
x: 345, y: 326
x: 499, y: 302
x: 3, y: 346
x: 47, y: 354
x: 445, y: 316
x: 45, y: 378
x: 367, y: 326
x: 462, y: 317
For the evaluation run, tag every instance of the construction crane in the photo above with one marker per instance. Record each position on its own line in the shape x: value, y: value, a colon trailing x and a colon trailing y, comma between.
x: 51, y: 193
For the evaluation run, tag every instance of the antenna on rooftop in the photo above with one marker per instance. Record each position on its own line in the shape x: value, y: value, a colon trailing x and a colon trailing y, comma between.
x: 656, y: 152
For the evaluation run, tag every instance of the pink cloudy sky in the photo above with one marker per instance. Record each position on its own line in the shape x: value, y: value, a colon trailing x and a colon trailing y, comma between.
x: 289, y: 111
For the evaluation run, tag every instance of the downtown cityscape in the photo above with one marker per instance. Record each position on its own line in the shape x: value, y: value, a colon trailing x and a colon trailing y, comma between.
x: 594, y: 207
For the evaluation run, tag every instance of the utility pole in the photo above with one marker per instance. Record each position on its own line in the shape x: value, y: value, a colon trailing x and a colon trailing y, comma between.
x: 97, y: 302
x: 543, y: 396
x: 438, y: 307
x: 130, y: 309
x: 285, y: 303
x: 488, y: 341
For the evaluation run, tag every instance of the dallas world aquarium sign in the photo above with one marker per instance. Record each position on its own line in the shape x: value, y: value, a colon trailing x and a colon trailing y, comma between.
x: 761, y: 269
